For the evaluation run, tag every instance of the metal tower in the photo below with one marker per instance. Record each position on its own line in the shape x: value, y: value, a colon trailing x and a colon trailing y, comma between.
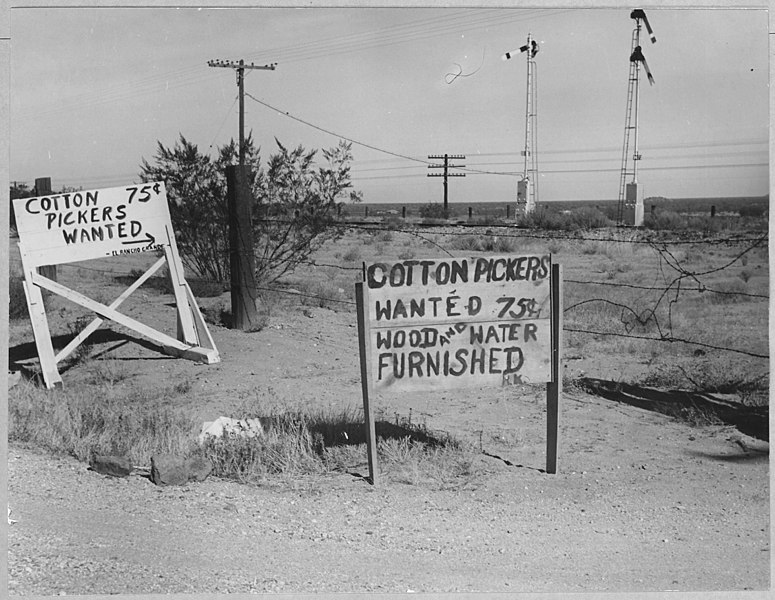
x: 527, y: 188
x: 630, y: 209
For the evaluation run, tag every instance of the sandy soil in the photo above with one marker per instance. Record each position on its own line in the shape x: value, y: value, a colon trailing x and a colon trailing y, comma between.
x: 641, y: 501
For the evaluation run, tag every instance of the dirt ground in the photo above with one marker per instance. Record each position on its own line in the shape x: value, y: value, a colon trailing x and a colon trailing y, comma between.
x: 641, y: 501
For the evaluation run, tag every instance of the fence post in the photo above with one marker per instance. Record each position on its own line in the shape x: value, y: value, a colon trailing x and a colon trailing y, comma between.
x: 43, y: 188
x: 470, y: 212
x: 403, y: 212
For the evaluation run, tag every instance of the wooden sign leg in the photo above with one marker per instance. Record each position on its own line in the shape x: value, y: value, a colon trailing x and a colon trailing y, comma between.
x: 48, y: 363
x: 554, y: 387
x: 187, y: 332
x: 364, y: 339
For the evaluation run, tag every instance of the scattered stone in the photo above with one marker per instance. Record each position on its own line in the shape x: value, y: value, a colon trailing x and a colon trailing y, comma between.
x: 114, y: 466
x: 169, y: 469
x: 199, y: 468
x: 222, y: 425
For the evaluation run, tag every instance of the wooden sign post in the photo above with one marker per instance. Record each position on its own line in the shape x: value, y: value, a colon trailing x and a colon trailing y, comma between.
x: 84, y: 225
x: 461, y: 322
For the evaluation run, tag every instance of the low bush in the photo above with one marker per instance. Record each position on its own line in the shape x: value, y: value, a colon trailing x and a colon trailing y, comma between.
x: 394, y: 222
x: 81, y: 424
x: 543, y: 218
x: 668, y: 220
x: 588, y: 217
x: 485, y: 243
x: 434, y: 210
x: 353, y: 254
x: 752, y: 210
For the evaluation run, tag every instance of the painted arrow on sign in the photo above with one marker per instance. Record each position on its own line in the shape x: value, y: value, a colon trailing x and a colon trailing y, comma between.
x: 149, y: 240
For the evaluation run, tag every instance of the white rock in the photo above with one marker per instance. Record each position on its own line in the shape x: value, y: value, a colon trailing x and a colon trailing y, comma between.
x: 242, y: 427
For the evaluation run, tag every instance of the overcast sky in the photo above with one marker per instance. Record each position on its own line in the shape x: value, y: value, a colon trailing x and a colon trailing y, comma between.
x: 92, y: 90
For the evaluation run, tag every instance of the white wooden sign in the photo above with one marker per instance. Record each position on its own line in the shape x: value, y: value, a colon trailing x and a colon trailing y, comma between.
x: 451, y: 323
x: 458, y: 322
x: 75, y: 226
x: 63, y: 228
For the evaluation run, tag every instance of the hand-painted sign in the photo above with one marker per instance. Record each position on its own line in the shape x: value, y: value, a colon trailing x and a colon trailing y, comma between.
x: 449, y: 323
x: 75, y: 226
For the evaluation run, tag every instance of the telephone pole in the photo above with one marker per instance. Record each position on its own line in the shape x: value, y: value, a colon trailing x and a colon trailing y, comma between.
x: 240, y: 68
x: 446, y: 166
x: 244, y: 294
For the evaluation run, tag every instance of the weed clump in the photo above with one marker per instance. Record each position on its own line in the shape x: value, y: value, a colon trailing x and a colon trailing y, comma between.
x: 81, y: 425
x: 485, y: 243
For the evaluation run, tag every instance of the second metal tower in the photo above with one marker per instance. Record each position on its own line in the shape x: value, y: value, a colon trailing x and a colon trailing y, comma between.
x: 630, y: 207
x: 527, y: 188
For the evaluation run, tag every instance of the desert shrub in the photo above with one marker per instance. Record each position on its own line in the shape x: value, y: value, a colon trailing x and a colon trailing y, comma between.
x: 81, y: 424
x: 554, y: 247
x: 394, y: 222
x: 353, y: 254
x: 752, y: 210
x: 485, y: 243
x: 287, y: 447
x: 434, y: 210
x: 544, y: 218
x: 471, y: 243
x: 706, y: 224
x: 664, y: 220
x: 500, y: 244
x: 587, y: 217
x: 406, y: 254
x: 384, y: 236
x: 296, y: 204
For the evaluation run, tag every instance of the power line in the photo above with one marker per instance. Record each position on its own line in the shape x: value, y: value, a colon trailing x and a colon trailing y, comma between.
x: 329, y: 132
x: 190, y: 75
x: 481, y: 171
x: 421, y: 29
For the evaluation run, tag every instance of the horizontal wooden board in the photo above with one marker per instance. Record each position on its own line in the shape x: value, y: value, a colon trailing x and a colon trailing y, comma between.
x: 461, y: 355
x: 412, y: 293
x: 76, y: 226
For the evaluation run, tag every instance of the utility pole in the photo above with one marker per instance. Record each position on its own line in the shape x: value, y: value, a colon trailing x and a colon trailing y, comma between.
x: 446, y: 166
x: 244, y: 294
x: 240, y: 68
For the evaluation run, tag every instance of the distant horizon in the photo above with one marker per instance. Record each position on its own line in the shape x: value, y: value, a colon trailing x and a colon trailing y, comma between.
x: 613, y: 200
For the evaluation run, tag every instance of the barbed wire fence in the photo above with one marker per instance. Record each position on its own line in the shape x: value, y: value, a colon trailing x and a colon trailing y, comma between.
x: 676, y: 279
